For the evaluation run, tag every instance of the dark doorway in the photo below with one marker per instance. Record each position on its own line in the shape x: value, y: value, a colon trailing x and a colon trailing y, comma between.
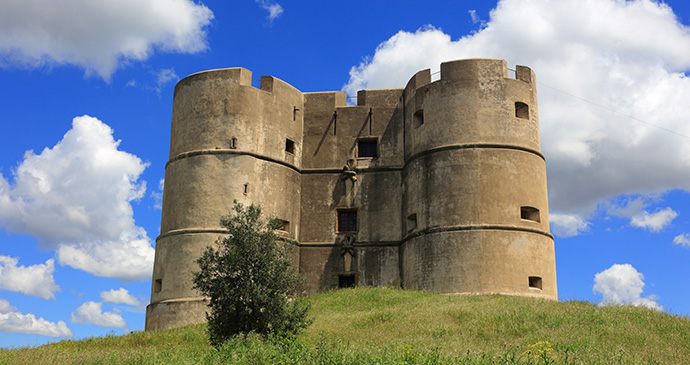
x: 346, y: 281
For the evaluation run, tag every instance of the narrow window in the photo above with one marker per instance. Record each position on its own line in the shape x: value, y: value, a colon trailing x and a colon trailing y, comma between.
x: 535, y: 282
x: 157, y: 285
x: 367, y: 148
x: 290, y: 146
x: 530, y: 214
x: 419, y: 118
x: 233, y: 143
x: 246, y: 188
x: 521, y: 110
x: 411, y: 222
x: 347, y: 220
x: 285, y: 226
x: 347, y: 281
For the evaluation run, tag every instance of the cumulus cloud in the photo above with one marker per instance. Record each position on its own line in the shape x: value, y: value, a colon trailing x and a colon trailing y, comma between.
x: 627, y: 56
x: 654, y: 222
x: 121, y: 296
x: 567, y: 225
x: 274, y: 9
x: 92, y: 313
x: 76, y: 198
x: 11, y: 320
x: 35, y: 280
x: 622, y: 284
x: 98, y: 35
x: 682, y: 239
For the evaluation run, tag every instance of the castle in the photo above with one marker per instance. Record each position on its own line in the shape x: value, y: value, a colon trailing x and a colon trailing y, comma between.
x: 439, y: 186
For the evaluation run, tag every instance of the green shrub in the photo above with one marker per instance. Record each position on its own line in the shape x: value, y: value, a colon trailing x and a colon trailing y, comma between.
x: 249, y: 281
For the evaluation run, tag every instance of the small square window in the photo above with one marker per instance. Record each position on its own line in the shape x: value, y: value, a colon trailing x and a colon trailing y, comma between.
x: 530, y: 214
x: 367, y: 148
x: 347, y: 221
x: 521, y: 110
x: 284, y: 226
x: 411, y: 222
x: 535, y: 282
x: 290, y: 146
x: 419, y: 118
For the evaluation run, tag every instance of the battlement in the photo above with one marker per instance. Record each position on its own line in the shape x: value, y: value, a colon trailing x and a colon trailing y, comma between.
x: 474, y: 70
x: 382, y: 98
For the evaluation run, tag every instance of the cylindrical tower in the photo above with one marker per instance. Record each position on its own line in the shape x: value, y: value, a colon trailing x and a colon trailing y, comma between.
x: 474, y: 195
x: 229, y: 141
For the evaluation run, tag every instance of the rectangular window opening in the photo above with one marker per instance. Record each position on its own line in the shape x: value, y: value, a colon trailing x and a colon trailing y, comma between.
x: 530, y: 214
x: 411, y: 222
x: 419, y: 118
x: 535, y: 282
x: 290, y: 146
x: 246, y: 188
x: 367, y: 148
x: 521, y: 110
x: 347, y: 281
x: 347, y: 220
x: 157, y: 285
x: 285, y: 226
x: 233, y: 143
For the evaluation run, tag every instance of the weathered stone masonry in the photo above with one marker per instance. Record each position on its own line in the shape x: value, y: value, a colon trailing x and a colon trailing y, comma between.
x: 438, y: 186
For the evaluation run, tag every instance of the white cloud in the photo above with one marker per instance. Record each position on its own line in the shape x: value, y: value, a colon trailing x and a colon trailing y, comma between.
x: 165, y: 76
x: 12, y: 320
x: 92, y: 313
x: 274, y: 9
x: 567, y: 225
x: 157, y: 195
x: 628, y: 56
x: 120, y: 296
x: 76, y: 197
x: 628, y: 206
x: 682, y: 239
x: 35, y: 280
x: 98, y: 35
x: 622, y: 284
x: 654, y: 222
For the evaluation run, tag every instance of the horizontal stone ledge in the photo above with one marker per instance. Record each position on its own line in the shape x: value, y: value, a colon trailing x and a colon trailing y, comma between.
x: 479, y: 227
x: 227, y: 151
x: 354, y: 244
x: 176, y: 232
x: 462, y: 146
x: 178, y: 300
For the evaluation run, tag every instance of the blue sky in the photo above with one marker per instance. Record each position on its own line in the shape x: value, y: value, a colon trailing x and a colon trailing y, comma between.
x: 86, y: 107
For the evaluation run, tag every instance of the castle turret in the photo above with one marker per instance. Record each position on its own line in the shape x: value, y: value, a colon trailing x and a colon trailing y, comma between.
x: 475, y: 197
x: 229, y: 141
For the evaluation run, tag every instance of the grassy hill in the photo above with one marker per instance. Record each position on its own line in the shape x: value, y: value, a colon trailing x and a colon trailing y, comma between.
x: 383, y: 325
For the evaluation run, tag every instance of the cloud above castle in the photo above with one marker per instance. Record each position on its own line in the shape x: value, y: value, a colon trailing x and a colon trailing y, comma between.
x: 612, y: 94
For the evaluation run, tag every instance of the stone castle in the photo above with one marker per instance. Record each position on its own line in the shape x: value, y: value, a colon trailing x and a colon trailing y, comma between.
x: 438, y: 186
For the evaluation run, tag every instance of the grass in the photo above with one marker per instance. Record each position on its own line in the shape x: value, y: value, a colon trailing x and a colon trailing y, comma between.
x: 365, y: 325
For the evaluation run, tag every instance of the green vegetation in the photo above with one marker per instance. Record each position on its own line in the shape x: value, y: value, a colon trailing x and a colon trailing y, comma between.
x: 249, y: 280
x: 365, y: 325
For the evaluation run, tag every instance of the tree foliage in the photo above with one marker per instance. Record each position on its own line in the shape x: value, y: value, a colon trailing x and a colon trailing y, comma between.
x: 249, y: 280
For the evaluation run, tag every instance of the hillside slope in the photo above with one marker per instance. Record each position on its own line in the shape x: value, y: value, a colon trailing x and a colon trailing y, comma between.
x: 383, y: 325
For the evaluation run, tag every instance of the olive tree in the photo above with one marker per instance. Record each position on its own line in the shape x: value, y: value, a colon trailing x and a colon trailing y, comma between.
x: 249, y: 281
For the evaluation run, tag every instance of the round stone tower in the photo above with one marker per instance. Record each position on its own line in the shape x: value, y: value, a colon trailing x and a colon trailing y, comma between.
x: 474, y: 183
x: 229, y: 141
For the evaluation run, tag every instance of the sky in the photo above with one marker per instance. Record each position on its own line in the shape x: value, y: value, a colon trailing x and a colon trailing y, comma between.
x: 86, y: 102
